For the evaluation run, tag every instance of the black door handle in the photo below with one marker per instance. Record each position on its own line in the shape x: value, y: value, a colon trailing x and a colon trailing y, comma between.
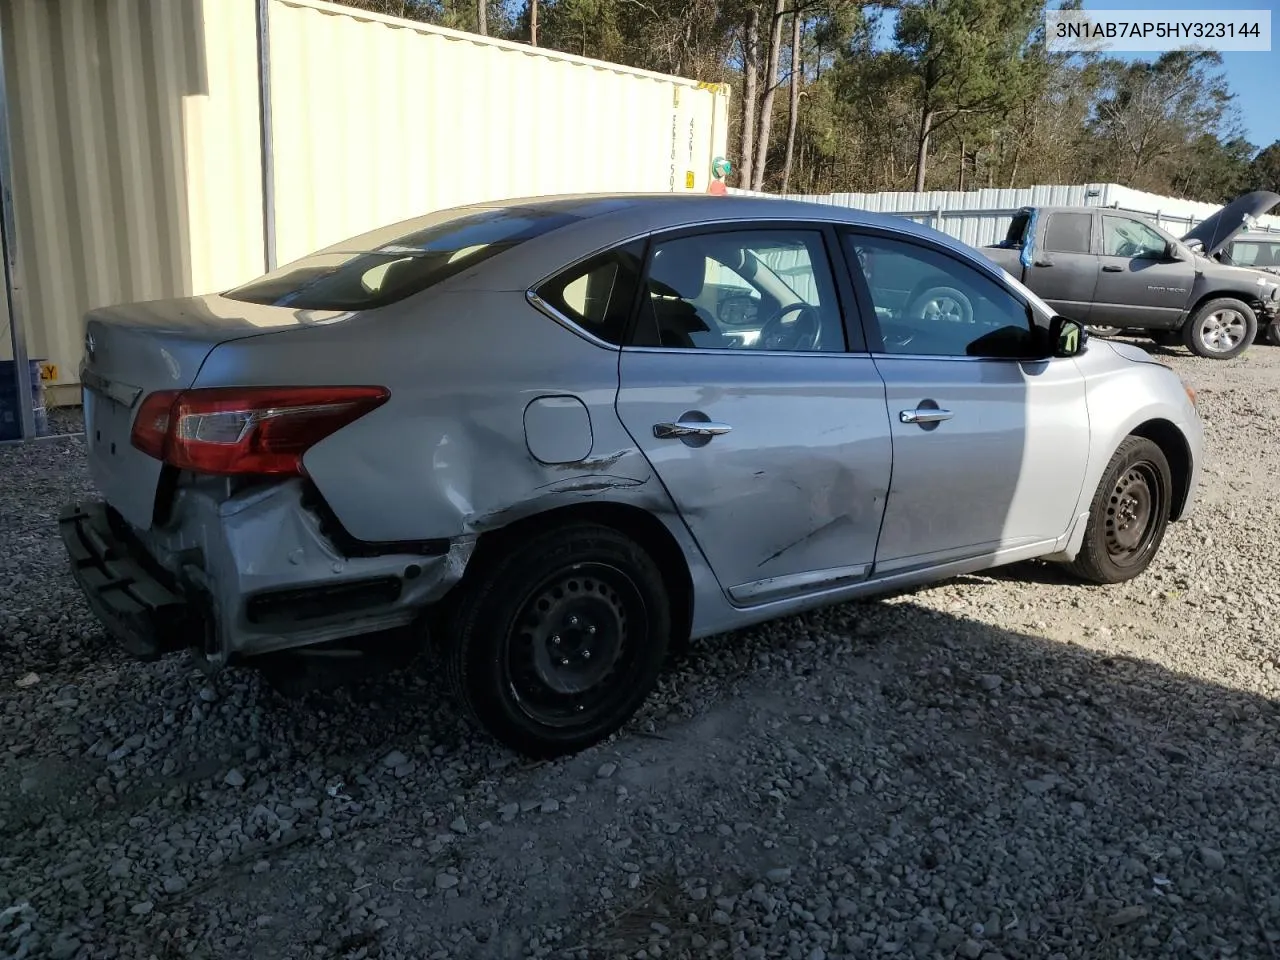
x: 1111, y: 269
x: 1044, y: 262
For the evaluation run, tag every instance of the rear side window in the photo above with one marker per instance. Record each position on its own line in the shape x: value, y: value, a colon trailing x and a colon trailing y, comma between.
x: 598, y: 294
x: 1017, y: 229
x: 1068, y: 232
x: 359, y: 279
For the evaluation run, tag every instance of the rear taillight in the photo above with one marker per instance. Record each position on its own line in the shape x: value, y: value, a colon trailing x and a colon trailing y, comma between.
x: 250, y: 430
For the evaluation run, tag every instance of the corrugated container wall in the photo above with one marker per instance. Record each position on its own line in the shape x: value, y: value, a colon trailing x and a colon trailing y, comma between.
x: 133, y: 134
x: 382, y: 119
x: 137, y: 163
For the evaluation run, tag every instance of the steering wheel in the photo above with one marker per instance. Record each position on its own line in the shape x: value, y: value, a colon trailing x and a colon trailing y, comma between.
x: 803, y: 333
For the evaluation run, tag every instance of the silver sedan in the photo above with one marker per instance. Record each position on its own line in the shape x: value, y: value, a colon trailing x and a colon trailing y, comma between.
x: 559, y: 437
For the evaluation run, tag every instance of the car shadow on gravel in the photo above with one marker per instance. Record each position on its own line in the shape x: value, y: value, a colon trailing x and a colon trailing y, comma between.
x: 896, y: 773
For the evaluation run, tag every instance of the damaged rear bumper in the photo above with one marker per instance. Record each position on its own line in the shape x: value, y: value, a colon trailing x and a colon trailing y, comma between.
x: 234, y: 577
x: 137, y: 606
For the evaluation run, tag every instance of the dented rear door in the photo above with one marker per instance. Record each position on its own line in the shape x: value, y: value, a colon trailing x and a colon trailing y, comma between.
x: 784, y: 487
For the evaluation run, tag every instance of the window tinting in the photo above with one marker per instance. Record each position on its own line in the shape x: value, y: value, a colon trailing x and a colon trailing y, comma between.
x: 363, y: 279
x: 1068, y: 232
x: 741, y: 290
x: 598, y: 294
x: 930, y: 304
x: 1122, y: 237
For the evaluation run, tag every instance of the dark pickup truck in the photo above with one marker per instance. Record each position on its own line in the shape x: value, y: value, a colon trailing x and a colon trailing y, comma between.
x: 1115, y: 271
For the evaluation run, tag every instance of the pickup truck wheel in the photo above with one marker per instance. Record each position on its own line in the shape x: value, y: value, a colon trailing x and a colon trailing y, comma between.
x: 557, y: 641
x: 1128, y: 516
x: 1221, y: 329
x: 1096, y: 331
x: 945, y: 304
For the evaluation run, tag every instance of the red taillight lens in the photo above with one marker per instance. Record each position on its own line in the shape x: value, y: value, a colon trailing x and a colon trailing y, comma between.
x: 251, y: 430
x: 151, y: 428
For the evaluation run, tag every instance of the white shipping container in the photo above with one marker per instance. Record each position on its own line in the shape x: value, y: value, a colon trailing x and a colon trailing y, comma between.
x: 136, y: 156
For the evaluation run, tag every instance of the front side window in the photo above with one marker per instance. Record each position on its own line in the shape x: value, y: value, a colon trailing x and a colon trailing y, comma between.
x: 741, y: 290
x: 930, y: 304
x: 1122, y: 237
x: 598, y: 294
x: 360, y: 278
x: 1068, y: 232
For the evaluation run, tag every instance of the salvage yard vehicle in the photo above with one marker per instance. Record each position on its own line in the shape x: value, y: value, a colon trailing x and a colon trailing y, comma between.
x: 1116, y: 271
x: 1257, y: 252
x: 559, y: 437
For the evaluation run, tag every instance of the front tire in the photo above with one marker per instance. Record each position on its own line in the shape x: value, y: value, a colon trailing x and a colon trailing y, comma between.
x: 1128, y: 516
x: 556, y: 642
x: 1221, y: 329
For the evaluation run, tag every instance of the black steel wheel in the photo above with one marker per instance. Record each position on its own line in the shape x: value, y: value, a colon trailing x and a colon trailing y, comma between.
x: 1129, y: 514
x: 556, y: 642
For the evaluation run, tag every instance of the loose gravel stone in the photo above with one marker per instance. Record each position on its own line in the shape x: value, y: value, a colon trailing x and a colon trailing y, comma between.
x: 1006, y: 765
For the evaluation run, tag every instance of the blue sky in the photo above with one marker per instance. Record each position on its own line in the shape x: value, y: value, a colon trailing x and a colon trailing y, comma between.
x: 1253, y: 77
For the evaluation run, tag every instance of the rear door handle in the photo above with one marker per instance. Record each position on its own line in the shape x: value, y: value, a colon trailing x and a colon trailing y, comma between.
x: 925, y: 415
x: 1112, y: 269
x: 1044, y: 262
x: 690, y: 428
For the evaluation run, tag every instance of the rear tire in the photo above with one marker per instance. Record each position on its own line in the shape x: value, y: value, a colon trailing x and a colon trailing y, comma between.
x: 556, y: 642
x: 1221, y: 329
x: 1128, y: 516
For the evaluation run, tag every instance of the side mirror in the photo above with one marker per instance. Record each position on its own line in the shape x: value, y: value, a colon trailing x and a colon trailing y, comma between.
x: 1171, y: 251
x: 1067, y: 337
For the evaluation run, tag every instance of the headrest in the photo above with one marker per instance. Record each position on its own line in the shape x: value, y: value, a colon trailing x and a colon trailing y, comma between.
x: 681, y: 269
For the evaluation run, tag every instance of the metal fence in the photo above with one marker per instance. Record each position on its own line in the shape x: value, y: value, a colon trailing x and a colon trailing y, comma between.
x: 967, y: 218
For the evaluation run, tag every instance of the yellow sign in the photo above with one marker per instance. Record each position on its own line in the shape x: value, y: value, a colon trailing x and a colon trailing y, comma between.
x: 688, y: 179
x: 48, y: 371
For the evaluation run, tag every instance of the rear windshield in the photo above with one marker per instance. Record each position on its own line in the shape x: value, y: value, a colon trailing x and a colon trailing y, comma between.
x: 1017, y: 229
x: 363, y: 279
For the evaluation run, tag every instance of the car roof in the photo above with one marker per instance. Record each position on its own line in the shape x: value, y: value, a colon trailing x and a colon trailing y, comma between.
x: 649, y: 211
x: 612, y: 217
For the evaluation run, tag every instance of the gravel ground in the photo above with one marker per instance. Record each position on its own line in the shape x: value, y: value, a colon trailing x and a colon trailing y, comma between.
x: 1001, y: 766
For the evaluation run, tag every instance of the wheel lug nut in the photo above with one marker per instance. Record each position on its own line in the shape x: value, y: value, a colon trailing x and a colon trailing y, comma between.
x: 556, y: 639
x: 564, y: 662
x: 573, y: 621
x: 591, y: 630
x: 586, y: 654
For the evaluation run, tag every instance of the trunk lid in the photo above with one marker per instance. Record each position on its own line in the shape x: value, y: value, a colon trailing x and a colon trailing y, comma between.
x: 1230, y: 221
x: 132, y: 350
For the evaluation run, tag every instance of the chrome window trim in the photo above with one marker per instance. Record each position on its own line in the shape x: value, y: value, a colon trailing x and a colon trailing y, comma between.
x: 552, y: 313
x: 739, y: 352
x: 932, y: 356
